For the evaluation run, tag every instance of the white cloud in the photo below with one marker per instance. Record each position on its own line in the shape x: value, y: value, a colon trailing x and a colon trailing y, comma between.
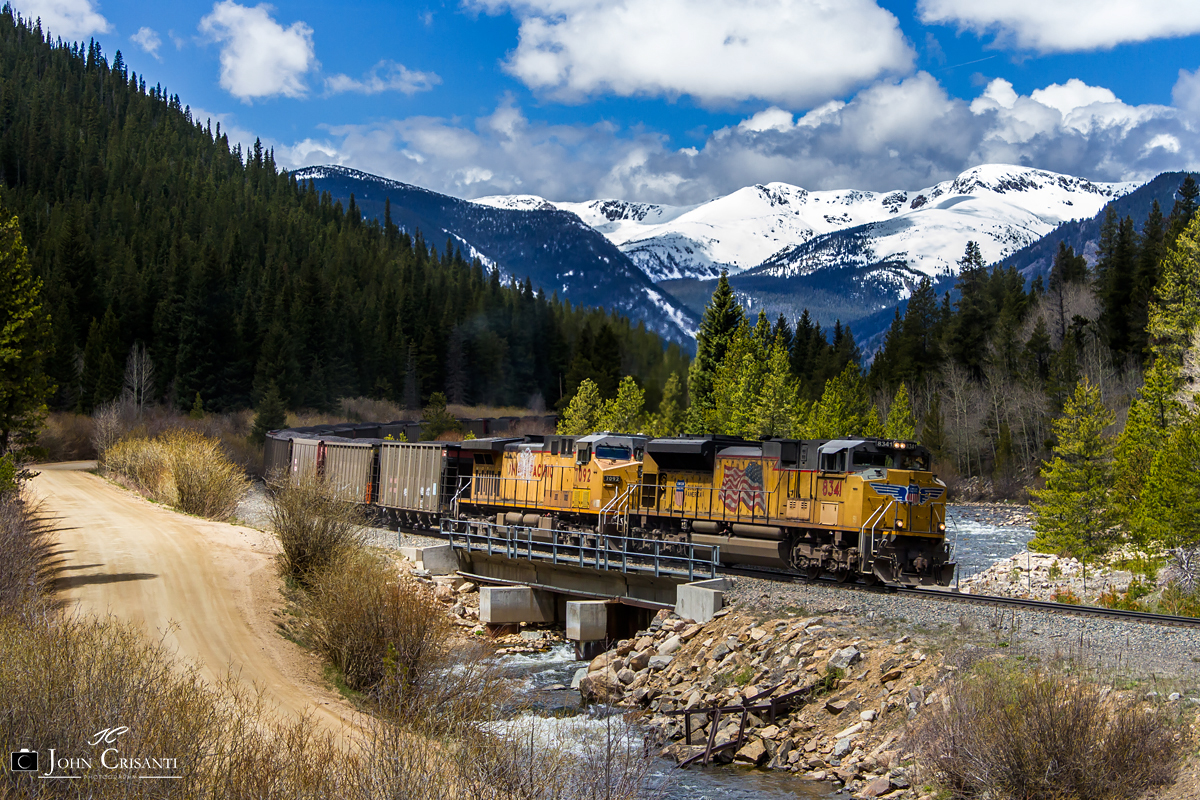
x: 259, y: 57
x: 148, y: 40
x: 386, y: 76
x: 1067, y: 25
x: 789, y: 52
x: 1186, y: 94
x: 893, y: 134
x: 70, y: 19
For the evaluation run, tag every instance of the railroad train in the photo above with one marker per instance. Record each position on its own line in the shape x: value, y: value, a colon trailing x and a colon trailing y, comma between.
x: 864, y: 509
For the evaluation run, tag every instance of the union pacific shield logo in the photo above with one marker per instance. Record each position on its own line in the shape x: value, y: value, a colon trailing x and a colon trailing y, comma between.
x: 911, y: 494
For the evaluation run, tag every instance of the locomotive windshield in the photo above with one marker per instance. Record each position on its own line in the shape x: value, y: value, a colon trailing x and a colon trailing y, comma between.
x: 613, y: 452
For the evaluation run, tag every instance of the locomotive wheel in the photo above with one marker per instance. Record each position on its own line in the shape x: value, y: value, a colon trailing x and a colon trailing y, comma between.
x: 844, y: 576
x: 812, y: 573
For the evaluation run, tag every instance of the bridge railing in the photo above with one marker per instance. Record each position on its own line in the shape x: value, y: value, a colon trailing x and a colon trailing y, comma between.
x: 627, y: 554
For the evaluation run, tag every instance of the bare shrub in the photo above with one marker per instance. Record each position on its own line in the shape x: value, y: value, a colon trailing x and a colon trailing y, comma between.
x: 364, y: 409
x: 25, y: 544
x: 109, y: 424
x: 181, y: 468
x: 371, y: 623
x: 1008, y: 733
x: 314, y: 526
x: 67, y: 437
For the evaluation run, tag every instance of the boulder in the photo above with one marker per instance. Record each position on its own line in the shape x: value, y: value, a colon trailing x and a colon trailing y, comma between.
x: 842, y: 659
x: 599, y: 662
x: 466, y: 588
x: 670, y: 646
x: 842, y: 747
x: 580, y: 674
x: 660, y: 662
x: 639, y: 661
x: 753, y: 753
x: 626, y: 676
x: 624, y: 647
x: 876, y: 787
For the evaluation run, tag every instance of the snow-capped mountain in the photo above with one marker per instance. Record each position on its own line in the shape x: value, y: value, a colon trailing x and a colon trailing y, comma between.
x: 788, y: 231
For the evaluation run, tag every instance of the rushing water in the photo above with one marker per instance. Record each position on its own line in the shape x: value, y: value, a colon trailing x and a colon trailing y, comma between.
x: 555, y: 716
x: 979, y: 541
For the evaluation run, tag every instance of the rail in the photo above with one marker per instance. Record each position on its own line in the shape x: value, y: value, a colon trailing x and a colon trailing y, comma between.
x: 681, y: 560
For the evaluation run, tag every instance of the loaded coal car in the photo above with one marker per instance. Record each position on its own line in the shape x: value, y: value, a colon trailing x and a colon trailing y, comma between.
x: 553, y: 482
x: 847, y: 508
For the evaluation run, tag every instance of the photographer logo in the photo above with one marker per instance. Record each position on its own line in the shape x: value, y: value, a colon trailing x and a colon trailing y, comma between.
x: 106, y: 760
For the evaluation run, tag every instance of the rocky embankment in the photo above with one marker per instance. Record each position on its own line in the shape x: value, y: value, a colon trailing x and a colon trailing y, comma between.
x: 1041, y: 576
x: 854, y: 694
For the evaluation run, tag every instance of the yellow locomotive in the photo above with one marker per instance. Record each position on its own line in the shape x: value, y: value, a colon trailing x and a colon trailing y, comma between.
x: 556, y: 481
x: 848, y: 508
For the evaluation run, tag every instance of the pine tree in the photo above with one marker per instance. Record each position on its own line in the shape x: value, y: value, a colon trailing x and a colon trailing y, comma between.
x: 775, y: 412
x: 270, y: 415
x: 436, y: 420
x: 583, y: 412
x: 1184, y: 209
x: 197, y: 411
x: 1169, y: 515
x: 900, y: 424
x: 976, y: 313
x: 671, y: 415
x: 25, y: 342
x: 722, y: 318
x: 845, y: 409
x: 625, y: 412
x: 1074, y: 513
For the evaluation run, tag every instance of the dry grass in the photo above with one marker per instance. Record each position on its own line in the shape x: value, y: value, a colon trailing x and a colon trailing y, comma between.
x: 25, y: 545
x: 314, y: 526
x: 1012, y: 734
x: 65, y: 678
x: 182, y: 468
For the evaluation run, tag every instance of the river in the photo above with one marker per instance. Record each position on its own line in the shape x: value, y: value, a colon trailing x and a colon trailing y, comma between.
x: 982, y: 538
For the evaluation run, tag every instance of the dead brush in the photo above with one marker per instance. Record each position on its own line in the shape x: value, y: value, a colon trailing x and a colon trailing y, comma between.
x: 315, y: 527
x: 182, y: 468
x: 1013, y: 734
x: 25, y: 551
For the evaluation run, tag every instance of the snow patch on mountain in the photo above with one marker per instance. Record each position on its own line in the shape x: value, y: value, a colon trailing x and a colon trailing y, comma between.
x: 795, y: 231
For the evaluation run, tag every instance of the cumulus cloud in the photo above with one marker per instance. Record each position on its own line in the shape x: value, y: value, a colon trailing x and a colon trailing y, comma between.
x: 148, y: 40
x: 386, y: 76
x: 70, y: 19
x: 1066, y: 25
x: 790, y: 52
x: 895, y: 134
x: 259, y: 57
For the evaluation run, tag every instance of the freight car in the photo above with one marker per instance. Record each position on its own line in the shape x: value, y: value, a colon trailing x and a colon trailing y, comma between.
x: 851, y: 509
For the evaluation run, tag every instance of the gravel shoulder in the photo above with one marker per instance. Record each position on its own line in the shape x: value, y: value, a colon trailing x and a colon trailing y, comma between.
x: 1129, y: 650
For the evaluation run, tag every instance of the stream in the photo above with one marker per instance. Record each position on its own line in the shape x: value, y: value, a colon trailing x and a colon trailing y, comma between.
x: 983, y: 537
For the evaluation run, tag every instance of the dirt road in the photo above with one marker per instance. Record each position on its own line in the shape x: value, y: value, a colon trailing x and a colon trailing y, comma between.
x: 210, y: 588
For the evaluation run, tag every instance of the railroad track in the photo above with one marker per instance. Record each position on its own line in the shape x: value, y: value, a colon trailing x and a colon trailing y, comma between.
x: 947, y: 595
x: 954, y: 596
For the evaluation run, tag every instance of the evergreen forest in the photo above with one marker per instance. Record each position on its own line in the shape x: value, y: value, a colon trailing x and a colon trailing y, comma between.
x: 212, y: 274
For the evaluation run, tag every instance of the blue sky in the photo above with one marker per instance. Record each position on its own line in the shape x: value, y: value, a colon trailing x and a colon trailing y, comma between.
x: 676, y: 101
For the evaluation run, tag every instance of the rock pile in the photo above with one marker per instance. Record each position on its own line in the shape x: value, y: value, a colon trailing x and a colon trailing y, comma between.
x: 853, y: 694
x: 1041, y: 576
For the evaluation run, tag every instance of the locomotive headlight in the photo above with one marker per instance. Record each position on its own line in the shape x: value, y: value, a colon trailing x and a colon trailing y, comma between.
x: 942, y: 527
x: 899, y: 523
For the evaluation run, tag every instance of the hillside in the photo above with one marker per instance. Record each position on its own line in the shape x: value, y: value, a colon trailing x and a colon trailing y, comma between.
x: 1083, y: 235
x: 547, y: 245
x: 146, y: 226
